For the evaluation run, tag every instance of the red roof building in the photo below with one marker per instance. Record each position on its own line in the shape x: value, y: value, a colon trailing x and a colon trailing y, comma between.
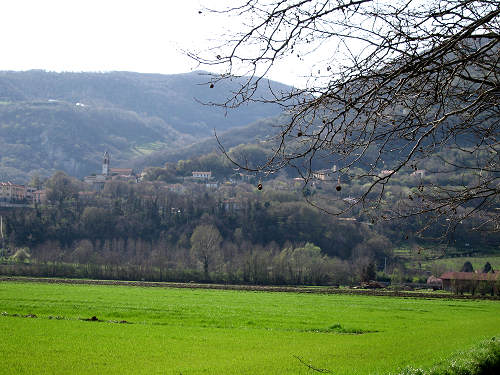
x: 460, y: 282
x: 10, y: 192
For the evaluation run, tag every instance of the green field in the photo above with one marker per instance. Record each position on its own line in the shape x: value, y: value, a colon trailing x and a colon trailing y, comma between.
x: 148, y: 148
x: 187, y: 331
x: 439, y: 259
x: 455, y: 264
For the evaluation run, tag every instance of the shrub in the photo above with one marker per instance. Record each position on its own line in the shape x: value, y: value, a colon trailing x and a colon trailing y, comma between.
x: 483, y: 359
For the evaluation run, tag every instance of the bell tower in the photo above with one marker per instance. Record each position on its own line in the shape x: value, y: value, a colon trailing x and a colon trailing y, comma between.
x: 105, y: 164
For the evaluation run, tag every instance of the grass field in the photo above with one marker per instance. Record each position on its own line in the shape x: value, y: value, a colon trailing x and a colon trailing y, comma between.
x: 185, y: 331
x: 148, y: 148
x: 427, y: 260
x: 455, y: 264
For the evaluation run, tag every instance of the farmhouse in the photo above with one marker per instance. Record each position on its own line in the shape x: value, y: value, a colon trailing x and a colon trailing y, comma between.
x: 460, y: 282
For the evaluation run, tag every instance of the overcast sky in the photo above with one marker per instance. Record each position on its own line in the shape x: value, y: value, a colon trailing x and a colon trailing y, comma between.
x: 105, y: 35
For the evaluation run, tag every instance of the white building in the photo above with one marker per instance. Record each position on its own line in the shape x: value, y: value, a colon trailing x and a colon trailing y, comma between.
x: 202, y: 175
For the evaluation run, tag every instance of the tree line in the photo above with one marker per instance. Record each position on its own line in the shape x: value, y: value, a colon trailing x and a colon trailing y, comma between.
x: 235, y: 234
x: 144, y: 229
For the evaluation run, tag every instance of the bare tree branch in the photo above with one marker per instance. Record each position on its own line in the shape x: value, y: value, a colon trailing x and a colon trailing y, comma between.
x: 311, y: 367
x: 405, y: 83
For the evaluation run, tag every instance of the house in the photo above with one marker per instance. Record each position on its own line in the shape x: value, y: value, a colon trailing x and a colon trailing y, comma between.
x: 240, y: 177
x: 97, y: 181
x: 13, y: 193
x: 418, y: 173
x: 202, y: 175
x: 472, y: 282
x: 10, y: 192
x: 350, y: 200
x: 122, y: 174
x: 321, y: 175
x: 386, y: 172
x: 212, y: 185
x: 39, y: 196
x: 325, y: 174
x: 246, y: 177
x: 30, y: 193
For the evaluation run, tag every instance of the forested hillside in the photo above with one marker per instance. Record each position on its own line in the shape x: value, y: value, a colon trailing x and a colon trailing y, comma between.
x: 65, y: 121
x: 40, y: 137
x: 234, y: 233
x: 252, y: 134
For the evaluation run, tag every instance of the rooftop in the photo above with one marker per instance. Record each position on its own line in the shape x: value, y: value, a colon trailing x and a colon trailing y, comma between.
x: 469, y: 276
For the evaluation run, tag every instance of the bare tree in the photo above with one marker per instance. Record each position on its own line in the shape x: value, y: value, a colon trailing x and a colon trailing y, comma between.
x: 400, y: 82
x: 205, y: 242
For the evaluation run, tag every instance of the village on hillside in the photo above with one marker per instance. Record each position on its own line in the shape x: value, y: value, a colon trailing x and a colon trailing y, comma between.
x: 12, y: 194
x: 16, y: 194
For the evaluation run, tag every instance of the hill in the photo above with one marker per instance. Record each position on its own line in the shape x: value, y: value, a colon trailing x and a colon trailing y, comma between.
x: 51, y: 121
x: 40, y: 137
x: 245, y: 135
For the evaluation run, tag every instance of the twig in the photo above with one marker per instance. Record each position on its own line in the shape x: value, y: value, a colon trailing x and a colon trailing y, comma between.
x: 322, y: 370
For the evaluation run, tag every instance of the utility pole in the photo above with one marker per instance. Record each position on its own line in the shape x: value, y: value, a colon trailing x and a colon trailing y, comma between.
x: 1, y: 235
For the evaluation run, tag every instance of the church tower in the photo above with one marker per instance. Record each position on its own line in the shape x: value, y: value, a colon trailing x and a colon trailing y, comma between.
x: 105, y: 164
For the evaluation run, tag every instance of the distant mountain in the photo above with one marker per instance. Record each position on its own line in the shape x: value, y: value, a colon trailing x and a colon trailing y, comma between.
x: 41, y: 137
x: 65, y: 121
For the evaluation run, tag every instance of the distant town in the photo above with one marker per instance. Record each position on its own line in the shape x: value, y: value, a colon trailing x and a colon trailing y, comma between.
x: 16, y: 194
x: 12, y: 194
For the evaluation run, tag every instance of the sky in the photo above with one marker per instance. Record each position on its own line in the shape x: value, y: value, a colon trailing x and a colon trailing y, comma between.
x: 145, y: 36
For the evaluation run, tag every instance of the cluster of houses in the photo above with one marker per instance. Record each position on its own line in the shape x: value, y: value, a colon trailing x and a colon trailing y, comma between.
x: 13, y: 193
x: 97, y: 181
x: 331, y: 174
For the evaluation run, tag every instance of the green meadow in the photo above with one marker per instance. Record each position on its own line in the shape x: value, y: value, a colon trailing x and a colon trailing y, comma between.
x: 455, y: 264
x: 196, y: 331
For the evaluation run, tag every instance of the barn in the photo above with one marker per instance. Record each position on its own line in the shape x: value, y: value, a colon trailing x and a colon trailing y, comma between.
x: 472, y: 282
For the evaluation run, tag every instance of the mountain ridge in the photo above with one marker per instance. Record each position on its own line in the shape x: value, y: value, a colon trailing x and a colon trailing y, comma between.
x: 64, y: 121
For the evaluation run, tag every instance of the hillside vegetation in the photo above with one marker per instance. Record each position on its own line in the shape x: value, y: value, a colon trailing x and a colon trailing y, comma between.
x: 65, y: 121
